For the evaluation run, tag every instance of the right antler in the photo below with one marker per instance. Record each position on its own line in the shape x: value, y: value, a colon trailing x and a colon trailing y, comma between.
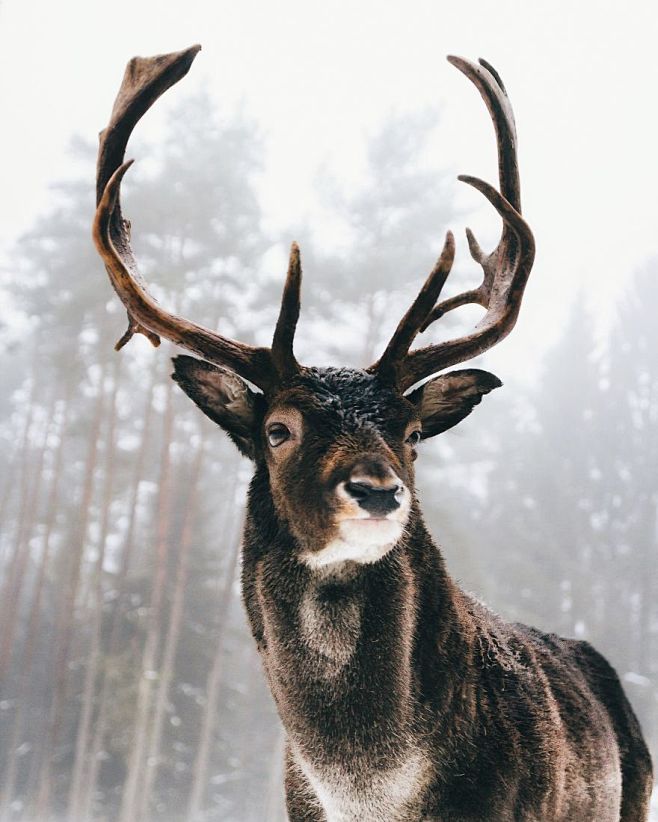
x: 144, y: 81
x: 506, y: 269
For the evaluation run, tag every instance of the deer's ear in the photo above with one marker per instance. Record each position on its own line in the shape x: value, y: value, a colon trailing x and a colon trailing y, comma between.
x: 447, y: 399
x: 223, y: 397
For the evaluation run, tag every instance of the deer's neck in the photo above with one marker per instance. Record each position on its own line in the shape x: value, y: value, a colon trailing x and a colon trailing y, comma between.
x: 361, y: 660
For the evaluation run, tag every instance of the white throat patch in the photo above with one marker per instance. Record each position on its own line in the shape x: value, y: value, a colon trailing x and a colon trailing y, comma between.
x: 356, y: 544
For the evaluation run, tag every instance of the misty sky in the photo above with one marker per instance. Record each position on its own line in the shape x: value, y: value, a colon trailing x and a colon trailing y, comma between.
x: 319, y: 78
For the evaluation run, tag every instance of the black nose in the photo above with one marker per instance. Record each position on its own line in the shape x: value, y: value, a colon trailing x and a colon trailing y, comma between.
x: 375, y: 499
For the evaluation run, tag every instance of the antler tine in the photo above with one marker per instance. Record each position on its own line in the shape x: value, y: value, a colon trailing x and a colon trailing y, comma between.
x: 284, y: 333
x: 498, y: 103
x: 507, y: 268
x: 389, y: 363
x: 145, y: 80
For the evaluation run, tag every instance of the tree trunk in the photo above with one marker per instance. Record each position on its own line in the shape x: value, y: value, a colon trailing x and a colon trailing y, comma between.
x: 16, y: 576
x: 200, y: 769
x: 22, y: 460
x: 32, y: 630
x: 81, y: 764
x: 173, y: 635
x: 130, y: 799
x: 66, y: 612
x: 118, y: 609
x: 8, y: 486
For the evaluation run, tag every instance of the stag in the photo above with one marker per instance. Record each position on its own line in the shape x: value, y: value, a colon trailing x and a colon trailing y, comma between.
x: 402, y: 697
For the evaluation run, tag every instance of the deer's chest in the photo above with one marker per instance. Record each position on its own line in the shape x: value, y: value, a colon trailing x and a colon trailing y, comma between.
x: 356, y: 794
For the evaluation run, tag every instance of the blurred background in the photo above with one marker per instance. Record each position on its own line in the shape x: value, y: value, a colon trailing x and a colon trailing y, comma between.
x: 130, y: 688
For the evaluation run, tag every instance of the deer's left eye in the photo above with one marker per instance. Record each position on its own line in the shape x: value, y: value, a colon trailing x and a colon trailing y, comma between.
x: 413, y: 438
x: 277, y: 433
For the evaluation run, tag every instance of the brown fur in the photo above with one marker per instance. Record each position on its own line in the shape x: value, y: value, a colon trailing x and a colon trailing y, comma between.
x: 401, y: 696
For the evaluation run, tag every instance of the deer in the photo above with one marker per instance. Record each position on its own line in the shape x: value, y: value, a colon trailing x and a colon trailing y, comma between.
x: 402, y: 697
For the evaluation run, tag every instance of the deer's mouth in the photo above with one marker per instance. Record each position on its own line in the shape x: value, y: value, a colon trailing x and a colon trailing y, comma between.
x: 370, y: 532
x: 363, y: 540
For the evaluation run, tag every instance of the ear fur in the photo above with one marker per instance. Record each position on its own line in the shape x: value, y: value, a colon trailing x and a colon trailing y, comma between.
x: 222, y: 396
x: 448, y: 398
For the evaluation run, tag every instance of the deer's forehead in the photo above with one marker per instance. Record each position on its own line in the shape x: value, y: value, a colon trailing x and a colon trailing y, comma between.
x: 346, y: 398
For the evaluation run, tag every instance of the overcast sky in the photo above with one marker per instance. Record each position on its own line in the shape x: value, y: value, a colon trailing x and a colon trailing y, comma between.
x: 319, y: 77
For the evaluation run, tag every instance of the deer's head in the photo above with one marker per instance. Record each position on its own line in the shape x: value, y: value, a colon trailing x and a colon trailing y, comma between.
x: 337, y: 445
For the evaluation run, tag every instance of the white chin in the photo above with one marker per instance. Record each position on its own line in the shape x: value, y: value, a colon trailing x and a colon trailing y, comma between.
x: 360, y: 540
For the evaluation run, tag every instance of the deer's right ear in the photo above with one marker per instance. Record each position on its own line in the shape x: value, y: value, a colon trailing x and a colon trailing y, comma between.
x: 223, y: 397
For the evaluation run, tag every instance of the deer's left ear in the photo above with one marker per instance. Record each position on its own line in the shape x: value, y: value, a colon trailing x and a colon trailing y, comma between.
x: 222, y: 396
x: 448, y: 398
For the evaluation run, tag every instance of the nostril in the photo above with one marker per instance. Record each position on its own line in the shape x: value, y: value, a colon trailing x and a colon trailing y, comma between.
x: 359, y: 490
x: 374, y: 498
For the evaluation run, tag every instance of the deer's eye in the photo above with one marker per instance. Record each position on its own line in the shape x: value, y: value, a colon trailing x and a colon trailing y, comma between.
x: 277, y: 433
x: 413, y: 438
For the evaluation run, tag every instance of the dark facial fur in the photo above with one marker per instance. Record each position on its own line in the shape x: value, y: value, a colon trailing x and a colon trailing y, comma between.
x: 349, y: 423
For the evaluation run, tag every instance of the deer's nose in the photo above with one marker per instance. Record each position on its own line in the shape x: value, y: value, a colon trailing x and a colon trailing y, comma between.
x: 376, y: 499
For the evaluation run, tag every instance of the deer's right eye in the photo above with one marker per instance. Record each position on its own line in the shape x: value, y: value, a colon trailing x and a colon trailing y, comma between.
x: 277, y: 433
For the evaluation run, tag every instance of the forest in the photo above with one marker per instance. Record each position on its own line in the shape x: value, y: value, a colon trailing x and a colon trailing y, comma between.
x: 130, y: 688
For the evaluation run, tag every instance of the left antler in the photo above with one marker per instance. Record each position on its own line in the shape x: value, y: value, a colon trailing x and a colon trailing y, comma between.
x: 144, y: 81
x: 506, y: 269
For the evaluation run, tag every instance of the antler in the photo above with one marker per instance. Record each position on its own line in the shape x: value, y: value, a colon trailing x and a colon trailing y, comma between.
x: 144, y: 81
x: 506, y: 269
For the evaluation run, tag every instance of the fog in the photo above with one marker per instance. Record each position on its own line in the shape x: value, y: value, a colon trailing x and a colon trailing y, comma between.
x: 130, y: 688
